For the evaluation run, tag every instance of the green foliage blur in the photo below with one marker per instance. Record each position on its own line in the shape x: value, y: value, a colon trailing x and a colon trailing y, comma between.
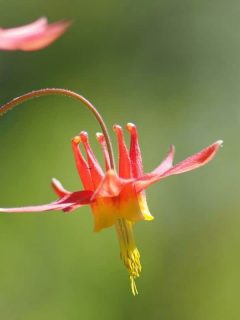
x: 171, y: 67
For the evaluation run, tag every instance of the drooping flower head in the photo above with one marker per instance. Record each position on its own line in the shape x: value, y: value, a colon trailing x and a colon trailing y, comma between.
x: 116, y: 198
x: 34, y: 36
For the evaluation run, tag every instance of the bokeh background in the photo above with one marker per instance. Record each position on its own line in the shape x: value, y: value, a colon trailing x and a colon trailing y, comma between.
x: 171, y: 67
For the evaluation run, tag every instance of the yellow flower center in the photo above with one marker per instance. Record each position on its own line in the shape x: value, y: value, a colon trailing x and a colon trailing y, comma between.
x: 128, y: 251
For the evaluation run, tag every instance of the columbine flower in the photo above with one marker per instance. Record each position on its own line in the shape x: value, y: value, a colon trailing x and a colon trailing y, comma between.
x: 117, y: 199
x: 33, y: 36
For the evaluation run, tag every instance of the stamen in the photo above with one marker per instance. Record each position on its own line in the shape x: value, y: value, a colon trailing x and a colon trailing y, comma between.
x: 133, y: 286
x: 129, y: 252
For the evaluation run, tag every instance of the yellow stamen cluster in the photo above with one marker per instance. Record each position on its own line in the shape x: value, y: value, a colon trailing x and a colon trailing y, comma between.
x: 128, y: 251
x: 132, y: 262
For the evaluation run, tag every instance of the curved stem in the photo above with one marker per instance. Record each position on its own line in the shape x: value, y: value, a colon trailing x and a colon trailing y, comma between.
x: 51, y: 91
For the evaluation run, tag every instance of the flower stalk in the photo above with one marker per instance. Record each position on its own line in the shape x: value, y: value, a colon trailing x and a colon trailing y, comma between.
x: 64, y: 92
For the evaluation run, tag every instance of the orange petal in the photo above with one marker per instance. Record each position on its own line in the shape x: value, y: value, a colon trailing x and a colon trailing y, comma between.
x: 135, y: 152
x: 124, y: 159
x: 105, y: 213
x: 111, y: 185
x: 81, y: 164
x: 95, y: 169
x: 101, y: 139
x: 132, y: 205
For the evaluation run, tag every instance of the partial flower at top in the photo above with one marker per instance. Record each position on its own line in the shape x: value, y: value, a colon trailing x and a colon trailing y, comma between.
x: 33, y: 36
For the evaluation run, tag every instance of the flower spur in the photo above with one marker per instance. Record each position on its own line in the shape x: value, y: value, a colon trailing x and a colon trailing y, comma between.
x: 117, y: 199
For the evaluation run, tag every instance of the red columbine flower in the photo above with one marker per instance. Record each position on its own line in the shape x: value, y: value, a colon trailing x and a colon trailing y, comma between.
x: 33, y: 36
x: 117, y: 199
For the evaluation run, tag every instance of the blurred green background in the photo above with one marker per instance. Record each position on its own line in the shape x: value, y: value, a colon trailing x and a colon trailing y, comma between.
x: 171, y: 67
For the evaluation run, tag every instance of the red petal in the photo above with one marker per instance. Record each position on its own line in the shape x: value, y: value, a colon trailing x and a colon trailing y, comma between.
x: 95, y: 168
x: 41, y: 208
x: 76, y: 199
x: 79, y: 199
x: 124, y: 160
x: 34, y: 36
x: 58, y: 188
x: 110, y: 186
x: 167, y: 162
x: 81, y: 164
x: 101, y: 139
x: 197, y: 160
x: 135, y: 152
